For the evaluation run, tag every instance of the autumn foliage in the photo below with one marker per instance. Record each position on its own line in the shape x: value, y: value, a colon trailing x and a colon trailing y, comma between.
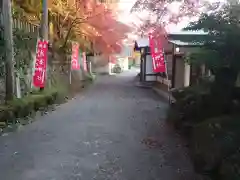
x: 164, y: 12
x: 92, y: 24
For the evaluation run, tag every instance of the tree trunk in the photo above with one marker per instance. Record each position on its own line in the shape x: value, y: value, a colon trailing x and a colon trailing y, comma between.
x: 67, y: 36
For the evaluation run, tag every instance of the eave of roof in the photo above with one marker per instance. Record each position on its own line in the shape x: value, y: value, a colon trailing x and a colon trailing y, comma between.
x: 182, y: 43
x: 144, y: 42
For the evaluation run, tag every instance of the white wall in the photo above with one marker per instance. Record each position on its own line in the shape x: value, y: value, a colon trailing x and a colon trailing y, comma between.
x: 123, y: 62
x: 149, y: 69
x: 103, y: 69
x: 179, y: 73
x: 187, y: 74
x: 100, y: 64
x: 182, y: 76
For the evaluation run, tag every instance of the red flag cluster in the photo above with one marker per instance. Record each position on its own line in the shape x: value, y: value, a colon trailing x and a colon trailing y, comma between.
x: 75, y: 62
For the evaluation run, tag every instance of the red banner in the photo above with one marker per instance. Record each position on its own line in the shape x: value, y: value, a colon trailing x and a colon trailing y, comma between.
x: 40, y: 66
x: 112, y: 59
x: 157, y: 53
x: 84, y: 61
x: 75, y: 65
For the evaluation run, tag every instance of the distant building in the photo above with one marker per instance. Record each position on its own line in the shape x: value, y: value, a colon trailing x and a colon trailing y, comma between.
x: 180, y: 73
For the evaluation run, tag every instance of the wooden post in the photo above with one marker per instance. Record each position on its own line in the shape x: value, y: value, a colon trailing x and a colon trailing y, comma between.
x: 44, y: 24
x: 166, y: 71
x: 9, y: 57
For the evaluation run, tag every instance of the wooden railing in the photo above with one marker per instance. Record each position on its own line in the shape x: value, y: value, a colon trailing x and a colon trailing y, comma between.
x: 20, y: 24
x: 26, y: 26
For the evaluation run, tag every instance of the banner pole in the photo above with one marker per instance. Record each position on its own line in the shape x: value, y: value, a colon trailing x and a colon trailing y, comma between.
x: 166, y: 71
x: 70, y: 76
x: 34, y: 62
x: 70, y: 67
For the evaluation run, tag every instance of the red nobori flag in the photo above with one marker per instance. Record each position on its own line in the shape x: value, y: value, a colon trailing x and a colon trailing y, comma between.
x: 40, y: 66
x: 157, y: 53
x: 112, y: 59
x: 75, y: 65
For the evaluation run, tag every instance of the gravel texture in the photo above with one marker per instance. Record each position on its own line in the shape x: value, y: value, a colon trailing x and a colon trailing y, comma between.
x: 113, y: 131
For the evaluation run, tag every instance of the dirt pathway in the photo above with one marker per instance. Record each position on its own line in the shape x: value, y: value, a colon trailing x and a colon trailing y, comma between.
x: 114, y: 131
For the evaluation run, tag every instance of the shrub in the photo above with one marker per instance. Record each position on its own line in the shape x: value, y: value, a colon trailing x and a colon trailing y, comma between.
x: 90, y: 77
x: 21, y: 107
x: 214, y: 140
x: 6, y: 114
x: 189, y: 110
x: 190, y: 90
x: 230, y: 168
x: 37, y: 100
x: 195, y: 104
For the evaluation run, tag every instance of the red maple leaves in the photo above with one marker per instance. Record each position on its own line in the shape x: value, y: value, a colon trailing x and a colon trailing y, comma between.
x: 109, y: 32
x: 167, y: 12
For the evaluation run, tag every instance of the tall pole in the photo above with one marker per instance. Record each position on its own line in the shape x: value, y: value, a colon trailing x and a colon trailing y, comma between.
x: 44, y: 23
x: 8, y: 40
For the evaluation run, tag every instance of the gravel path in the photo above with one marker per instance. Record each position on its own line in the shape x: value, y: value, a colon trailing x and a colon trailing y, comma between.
x: 113, y: 131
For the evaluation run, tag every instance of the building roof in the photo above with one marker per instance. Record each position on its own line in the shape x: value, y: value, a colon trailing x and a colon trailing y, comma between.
x: 199, y: 32
x: 175, y: 38
x: 182, y: 43
x: 143, y: 42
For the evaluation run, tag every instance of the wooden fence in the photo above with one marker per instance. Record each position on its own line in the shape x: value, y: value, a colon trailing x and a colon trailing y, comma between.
x: 21, y: 24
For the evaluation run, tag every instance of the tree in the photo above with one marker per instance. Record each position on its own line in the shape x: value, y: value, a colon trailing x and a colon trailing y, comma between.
x: 110, y: 33
x: 87, y: 22
x: 221, y: 48
x: 164, y: 12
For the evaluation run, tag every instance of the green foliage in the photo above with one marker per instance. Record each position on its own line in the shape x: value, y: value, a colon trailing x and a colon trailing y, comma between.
x: 211, y: 118
x: 182, y: 93
x: 210, y: 125
x: 24, y: 43
x: 230, y: 168
x: 22, y: 9
x: 39, y: 100
x: 189, y: 111
x: 221, y: 47
x: 210, y: 58
x: 90, y: 77
x: 213, y: 141
x: 196, y: 104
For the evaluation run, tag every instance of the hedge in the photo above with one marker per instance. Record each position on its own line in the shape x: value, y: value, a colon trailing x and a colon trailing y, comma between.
x: 20, y: 108
x: 230, y: 168
x: 196, y: 104
x: 214, y: 140
x: 212, y: 128
x: 190, y: 110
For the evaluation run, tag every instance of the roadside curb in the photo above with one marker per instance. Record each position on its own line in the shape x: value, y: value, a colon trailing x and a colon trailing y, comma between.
x: 164, y: 94
x: 140, y: 85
